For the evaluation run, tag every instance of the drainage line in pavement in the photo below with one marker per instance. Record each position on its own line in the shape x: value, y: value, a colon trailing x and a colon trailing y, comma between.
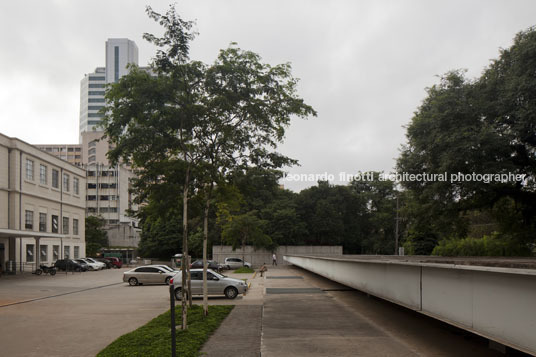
x: 58, y: 295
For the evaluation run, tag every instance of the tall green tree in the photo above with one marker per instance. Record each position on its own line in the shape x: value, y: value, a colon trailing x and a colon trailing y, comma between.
x: 200, y: 120
x: 246, y: 229
x: 482, y: 126
x: 96, y: 236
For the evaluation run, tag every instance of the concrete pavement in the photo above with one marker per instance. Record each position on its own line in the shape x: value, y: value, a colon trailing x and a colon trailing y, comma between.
x: 306, y: 315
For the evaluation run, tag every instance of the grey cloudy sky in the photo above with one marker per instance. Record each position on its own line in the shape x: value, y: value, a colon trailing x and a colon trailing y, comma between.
x: 363, y: 65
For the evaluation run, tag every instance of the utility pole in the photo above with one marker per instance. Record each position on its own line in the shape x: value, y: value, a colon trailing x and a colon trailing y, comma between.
x: 396, y: 227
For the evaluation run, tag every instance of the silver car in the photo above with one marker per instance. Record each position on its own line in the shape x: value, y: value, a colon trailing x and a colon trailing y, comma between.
x: 217, y: 284
x: 235, y: 263
x: 147, y: 275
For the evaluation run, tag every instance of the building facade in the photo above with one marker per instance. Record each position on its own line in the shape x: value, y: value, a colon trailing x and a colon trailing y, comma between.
x: 92, y: 88
x: 120, y: 52
x: 72, y: 153
x: 42, y: 207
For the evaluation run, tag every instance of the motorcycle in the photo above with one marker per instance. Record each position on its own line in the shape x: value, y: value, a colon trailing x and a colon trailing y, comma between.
x: 44, y: 269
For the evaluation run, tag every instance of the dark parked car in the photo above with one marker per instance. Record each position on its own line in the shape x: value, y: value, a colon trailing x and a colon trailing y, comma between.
x: 117, y: 263
x: 85, y: 266
x: 198, y: 264
x: 69, y: 265
x: 106, y: 261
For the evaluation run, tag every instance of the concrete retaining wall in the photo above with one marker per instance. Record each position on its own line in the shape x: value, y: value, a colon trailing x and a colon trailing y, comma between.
x: 261, y: 256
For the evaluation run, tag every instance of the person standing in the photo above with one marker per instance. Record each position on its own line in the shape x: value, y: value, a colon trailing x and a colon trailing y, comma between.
x: 263, y: 269
x: 274, y: 259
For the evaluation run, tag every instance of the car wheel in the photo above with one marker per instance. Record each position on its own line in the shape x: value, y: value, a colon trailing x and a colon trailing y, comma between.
x: 133, y: 281
x: 231, y: 292
x: 178, y: 294
x: 167, y: 280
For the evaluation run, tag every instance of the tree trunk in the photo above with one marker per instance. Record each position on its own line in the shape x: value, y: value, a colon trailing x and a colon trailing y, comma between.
x: 184, y: 261
x: 208, y: 193
x: 189, y: 282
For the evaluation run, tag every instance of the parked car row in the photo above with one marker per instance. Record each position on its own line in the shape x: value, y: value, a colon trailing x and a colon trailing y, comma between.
x: 85, y: 264
x: 217, y: 284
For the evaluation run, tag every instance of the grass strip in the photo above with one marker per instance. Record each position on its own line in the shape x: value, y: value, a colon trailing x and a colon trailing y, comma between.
x: 154, y: 338
x: 244, y: 270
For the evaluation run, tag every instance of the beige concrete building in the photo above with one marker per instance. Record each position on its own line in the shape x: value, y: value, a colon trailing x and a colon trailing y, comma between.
x: 71, y: 153
x: 42, y: 207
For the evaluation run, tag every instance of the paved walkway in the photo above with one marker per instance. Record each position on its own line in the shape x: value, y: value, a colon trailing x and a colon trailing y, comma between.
x: 298, y: 319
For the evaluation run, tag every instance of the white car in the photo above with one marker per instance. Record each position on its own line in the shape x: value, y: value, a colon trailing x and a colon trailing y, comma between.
x: 235, y: 263
x: 90, y: 264
x: 100, y: 265
x: 147, y: 275
x: 217, y: 284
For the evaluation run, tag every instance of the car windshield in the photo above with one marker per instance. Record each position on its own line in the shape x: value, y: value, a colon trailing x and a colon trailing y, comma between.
x: 219, y: 275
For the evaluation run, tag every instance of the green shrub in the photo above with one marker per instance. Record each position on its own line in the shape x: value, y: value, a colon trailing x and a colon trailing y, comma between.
x: 244, y: 270
x: 494, y: 245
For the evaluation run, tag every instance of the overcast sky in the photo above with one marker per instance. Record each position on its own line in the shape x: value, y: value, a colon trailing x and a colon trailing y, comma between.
x: 363, y: 65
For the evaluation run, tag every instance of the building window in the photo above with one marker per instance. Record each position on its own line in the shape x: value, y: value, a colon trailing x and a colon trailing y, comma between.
x: 95, y: 107
x: 116, y: 64
x: 55, y: 252
x: 96, y: 78
x: 66, y: 252
x: 92, y: 144
x: 55, y: 224
x: 55, y: 178
x: 42, y: 222
x: 92, y: 210
x: 76, y: 252
x: 91, y: 185
x: 94, y: 115
x: 96, y: 85
x: 65, y: 225
x: 43, y: 174
x: 65, y: 183
x: 104, y: 198
x: 97, y: 92
x: 76, y: 185
x: 91, y: 198
x: 95, y: 100
x: 29, y: 253
x: 43, y: 251
x: 92, y: 151
x: 75, y: 227
x: 91, y: 173
x: 91, y: 159
x: 28, y: 220
x: 29, y: 169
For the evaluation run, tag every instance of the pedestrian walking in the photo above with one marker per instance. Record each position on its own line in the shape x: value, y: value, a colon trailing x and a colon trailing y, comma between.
x: 274, y: 259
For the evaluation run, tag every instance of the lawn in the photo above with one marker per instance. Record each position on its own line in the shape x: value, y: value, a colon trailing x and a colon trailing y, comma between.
x: 154, y: 338
x: 244, y: 270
